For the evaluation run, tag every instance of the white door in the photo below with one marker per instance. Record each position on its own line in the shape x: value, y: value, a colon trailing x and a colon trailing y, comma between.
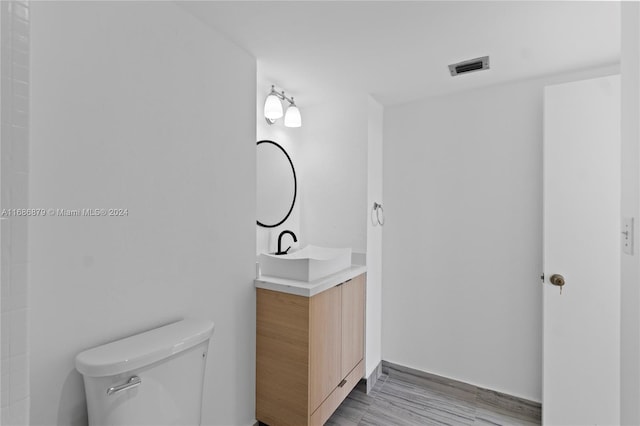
x: 581, y: 326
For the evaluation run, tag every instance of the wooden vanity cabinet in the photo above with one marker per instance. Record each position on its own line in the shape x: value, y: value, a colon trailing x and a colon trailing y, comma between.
x: 309, y: 352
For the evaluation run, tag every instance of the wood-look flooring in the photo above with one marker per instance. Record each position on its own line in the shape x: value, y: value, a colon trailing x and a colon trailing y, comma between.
x: 400, y: 398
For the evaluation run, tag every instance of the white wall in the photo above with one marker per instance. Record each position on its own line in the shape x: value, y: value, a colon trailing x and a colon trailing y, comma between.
x: 463, y: 238
x: 140, y: 106
x: 333, y: 164
x: 374, y: 237
x: 291, y: 140
x: 630, y: 294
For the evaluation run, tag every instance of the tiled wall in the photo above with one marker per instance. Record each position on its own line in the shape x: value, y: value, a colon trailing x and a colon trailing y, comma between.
x: 14, y: 155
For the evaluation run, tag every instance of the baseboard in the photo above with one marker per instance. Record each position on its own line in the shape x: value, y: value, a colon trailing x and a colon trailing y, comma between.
x: 531, y: 409
x: 373, y: 378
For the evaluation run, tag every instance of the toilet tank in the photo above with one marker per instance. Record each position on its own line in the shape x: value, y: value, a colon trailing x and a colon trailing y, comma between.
x: 152, y: 378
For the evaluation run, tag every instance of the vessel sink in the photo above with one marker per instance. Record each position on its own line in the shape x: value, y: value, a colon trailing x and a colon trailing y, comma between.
x: 307, y: 264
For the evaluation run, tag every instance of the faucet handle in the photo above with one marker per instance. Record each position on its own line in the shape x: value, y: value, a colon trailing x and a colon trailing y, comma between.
x: 280, y: 253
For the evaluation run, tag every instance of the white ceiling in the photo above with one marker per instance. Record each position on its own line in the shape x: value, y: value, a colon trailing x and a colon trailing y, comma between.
x: 398, y: 51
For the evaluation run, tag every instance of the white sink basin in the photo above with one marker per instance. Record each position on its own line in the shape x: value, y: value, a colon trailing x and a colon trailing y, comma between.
x: 307, y: 264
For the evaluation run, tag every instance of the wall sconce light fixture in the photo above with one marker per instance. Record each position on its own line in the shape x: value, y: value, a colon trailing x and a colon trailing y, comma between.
x: 273, y: 109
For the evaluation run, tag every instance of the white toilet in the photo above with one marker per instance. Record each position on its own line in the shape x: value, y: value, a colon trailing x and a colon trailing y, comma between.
x: 152, y: 378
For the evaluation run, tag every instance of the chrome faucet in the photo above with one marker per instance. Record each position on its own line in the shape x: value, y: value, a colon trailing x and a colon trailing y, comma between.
x: 295, y: 240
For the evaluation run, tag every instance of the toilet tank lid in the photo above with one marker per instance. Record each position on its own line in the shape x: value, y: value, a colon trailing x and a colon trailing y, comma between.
x: 144, y: 348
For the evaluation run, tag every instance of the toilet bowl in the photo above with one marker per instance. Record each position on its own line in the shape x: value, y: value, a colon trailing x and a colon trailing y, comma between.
x: 152, y: 378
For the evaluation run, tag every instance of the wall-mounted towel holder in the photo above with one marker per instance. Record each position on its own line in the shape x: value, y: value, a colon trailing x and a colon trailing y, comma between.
x: 377, y: 214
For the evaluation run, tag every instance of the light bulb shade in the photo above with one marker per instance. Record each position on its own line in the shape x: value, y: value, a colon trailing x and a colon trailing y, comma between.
x: 292, y: 118
x: 272, y: 107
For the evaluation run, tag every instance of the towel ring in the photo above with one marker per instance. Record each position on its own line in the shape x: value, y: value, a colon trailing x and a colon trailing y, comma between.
x: 378, y: 219
x: 374, y: 215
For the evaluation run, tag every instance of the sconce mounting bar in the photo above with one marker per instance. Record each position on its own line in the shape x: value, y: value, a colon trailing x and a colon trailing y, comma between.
x: 281, y: 95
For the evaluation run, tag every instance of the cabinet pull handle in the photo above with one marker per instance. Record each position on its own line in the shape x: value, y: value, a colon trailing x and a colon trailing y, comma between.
x: 342, y: 383
x: 344, y: 282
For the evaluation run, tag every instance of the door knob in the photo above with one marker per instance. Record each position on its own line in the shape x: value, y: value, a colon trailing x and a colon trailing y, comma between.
x: 556, y: 279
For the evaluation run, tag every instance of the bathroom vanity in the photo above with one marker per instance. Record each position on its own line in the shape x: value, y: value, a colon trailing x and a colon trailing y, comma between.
x: 309, y: 346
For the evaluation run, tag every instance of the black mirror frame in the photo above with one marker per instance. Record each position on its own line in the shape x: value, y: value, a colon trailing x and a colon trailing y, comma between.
x: 295, y: 185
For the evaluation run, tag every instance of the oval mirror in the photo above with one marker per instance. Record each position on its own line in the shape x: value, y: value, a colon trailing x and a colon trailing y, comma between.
x: 277, y: 184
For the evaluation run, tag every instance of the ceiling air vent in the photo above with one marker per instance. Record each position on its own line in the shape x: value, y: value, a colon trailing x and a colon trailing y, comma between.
x: 464, y: 67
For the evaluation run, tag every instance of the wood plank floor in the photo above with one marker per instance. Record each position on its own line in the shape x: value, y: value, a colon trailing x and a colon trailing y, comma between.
x: 401, y: 399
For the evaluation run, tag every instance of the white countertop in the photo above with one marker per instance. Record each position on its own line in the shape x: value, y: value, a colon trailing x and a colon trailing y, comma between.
x: 308, y: 289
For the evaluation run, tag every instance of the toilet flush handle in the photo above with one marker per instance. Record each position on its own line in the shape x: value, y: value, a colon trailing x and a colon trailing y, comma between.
x: 131, y: 383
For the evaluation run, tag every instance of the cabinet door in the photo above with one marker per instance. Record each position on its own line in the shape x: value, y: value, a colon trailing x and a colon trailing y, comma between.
x: 353, y: 300
x: 325, y: 339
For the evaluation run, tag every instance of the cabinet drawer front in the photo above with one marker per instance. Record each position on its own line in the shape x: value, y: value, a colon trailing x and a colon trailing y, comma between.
x: 352, y: 379
x: 329, y: 406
